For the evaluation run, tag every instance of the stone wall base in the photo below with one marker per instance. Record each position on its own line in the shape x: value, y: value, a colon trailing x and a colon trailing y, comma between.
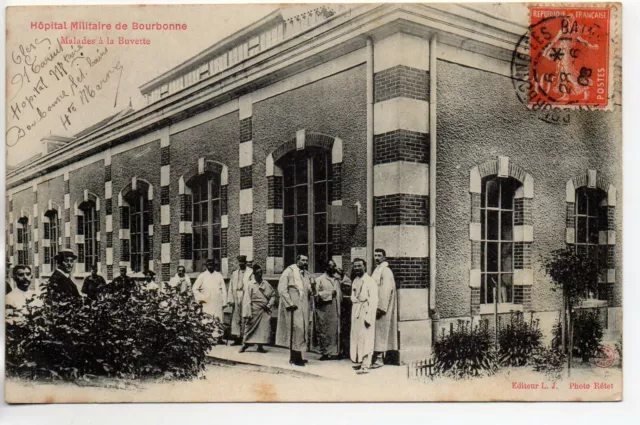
x: 415, y: 340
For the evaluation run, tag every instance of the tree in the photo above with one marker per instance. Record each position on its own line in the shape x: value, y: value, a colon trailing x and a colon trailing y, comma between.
x: 575, y: 274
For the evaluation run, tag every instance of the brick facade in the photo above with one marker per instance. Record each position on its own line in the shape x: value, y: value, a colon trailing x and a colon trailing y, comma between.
x: 246, y: 224
x: 401, y: 81
x: 401, y: 209
x: 165, y: 208
x: 246, y: 177
x: 401, y: 145
x: 410, y: 272
x: 67, y: 212
x: 245, y: 129
x: 274, y: 187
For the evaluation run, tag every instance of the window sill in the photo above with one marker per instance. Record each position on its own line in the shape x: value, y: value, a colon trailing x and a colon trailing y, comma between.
x: 502, y: 308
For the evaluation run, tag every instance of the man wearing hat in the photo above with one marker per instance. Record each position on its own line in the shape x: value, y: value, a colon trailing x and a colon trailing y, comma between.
x: 259, y: 300
x: 124, y: 282
x: 210, y: 290
x: 150, y: 280
x: 93, y: 284
x: 60, y: 283
x: 239, y: 282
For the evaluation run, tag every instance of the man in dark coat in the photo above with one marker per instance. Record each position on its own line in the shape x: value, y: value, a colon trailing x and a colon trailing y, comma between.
x: 93, y: 284
x: 6, y: 278
x: 60, y: 284
x: 123, y: 282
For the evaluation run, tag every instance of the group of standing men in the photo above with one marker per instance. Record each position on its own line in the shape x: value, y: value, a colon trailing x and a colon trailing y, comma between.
x: 309, y: 310
x: 250, y: 297
x: 309, y: 314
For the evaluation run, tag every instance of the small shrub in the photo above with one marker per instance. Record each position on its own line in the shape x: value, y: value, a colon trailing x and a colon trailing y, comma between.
x: 125, y: 334
x: 518, y: 340
x: 549, y: 361
x: 466, y: 352
x: 587, y: 334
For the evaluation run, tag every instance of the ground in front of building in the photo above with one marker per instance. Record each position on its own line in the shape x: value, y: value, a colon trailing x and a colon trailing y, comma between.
x: 251, y: 376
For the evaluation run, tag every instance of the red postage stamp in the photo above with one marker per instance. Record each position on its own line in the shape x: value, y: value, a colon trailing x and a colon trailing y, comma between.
x: 570, y: 54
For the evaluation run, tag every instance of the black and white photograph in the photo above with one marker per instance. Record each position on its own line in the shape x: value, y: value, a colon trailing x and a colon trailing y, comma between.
x: 368, y: 202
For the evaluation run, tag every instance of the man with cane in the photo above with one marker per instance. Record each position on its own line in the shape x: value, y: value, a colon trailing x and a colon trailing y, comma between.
x: 294, y: 327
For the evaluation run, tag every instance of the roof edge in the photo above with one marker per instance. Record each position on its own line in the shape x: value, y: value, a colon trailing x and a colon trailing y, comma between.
x: 212, y: 51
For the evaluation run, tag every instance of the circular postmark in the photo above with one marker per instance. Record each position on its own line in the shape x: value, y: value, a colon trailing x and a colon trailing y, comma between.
x: 527, y: 91
x: 607, y: 359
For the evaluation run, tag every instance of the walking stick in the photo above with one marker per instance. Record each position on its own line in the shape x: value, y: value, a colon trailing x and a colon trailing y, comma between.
x: 295, y: 300
x: 291, y: 337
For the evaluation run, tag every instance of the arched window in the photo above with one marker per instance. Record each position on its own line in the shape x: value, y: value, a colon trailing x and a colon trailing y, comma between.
x: 23, y: 240
x: 139, y: 220
x: 206, y: 222
x: 497, y: 239
x: 307, y: 191
x: 51, y: 233
x: 88, y: 224
x: 590, y: 219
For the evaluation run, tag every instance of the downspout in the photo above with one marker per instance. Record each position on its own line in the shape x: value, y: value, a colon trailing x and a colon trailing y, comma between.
x: 432, y: 186
x: 369, y: 154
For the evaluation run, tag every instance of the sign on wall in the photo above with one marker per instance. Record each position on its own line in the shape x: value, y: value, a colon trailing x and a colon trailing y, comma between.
x: 359, y: 252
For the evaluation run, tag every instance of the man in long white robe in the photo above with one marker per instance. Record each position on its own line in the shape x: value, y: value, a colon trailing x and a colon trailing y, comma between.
x: 294, y: 289
x: 20, y: 295
x: 237, y: 286
x: 364, y: 297
x: 387, y: 312
x: 210, y: 290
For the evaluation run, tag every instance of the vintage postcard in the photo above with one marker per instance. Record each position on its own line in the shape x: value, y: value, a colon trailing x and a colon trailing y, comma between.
x: 268, y: 203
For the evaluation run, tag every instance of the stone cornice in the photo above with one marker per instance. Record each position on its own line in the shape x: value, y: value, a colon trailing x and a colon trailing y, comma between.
x: 454, y: 24
x: 212, y: 51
